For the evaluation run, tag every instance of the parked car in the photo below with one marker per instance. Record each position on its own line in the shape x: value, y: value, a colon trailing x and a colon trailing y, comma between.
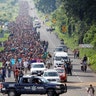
x: 37, y: 68
x: 62, y: 74
x: 51, y: 75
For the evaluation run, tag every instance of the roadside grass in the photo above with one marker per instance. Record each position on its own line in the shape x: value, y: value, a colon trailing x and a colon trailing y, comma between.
x: 91, y: 53
x: 71, y: 42
x: 6, y: 35
x: 48, y: 24
x: 1, y: 48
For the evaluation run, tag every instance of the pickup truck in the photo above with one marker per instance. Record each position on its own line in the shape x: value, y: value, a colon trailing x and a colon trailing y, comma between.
x: 31, y: 84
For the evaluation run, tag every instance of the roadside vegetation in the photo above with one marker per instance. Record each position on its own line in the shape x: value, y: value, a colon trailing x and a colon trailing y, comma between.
x: 8, y: 10
x: 75, y: 22
x: 8, y: 13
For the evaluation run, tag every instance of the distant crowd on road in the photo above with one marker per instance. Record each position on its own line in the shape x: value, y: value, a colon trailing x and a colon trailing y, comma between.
x: 23, y: 46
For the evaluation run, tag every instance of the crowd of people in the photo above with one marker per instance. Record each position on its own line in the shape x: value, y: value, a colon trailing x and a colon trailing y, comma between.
x: 68, y: 67
x: 23, y: 46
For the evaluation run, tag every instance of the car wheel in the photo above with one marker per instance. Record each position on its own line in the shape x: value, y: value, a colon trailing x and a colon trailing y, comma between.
x: 50, y: 92
x: 12, y: 93
x: 18, y: 94
x: 65, y: 80
x: 56, y: 94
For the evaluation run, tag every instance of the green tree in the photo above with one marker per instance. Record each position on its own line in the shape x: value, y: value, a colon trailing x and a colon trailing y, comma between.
x: 45, y: 6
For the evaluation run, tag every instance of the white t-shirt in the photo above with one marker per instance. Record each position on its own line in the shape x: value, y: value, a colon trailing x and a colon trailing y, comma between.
x: 25, y: 64
x: 91, y: 92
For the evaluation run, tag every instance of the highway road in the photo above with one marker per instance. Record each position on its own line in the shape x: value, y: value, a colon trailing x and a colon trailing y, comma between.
x: 79, y: 81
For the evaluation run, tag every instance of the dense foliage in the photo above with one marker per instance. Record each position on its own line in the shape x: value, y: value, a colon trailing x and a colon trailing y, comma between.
x: 45, y: 6
x: 77, y: 15
x: 83, y: 11
x: 79, y: 19
x: 8, y: 10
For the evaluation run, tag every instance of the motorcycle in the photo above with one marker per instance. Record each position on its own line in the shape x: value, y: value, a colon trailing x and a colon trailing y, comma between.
x: 84, y: 66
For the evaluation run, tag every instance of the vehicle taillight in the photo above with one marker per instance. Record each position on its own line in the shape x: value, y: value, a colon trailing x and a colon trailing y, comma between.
x: 1, y: 85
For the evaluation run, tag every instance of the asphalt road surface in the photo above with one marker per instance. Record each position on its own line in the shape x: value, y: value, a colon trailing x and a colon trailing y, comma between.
x: 79, y: 81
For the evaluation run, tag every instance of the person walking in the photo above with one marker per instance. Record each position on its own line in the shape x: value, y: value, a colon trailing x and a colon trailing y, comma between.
x: 3, y: 73
x: 75, y: 55
x: 69, y: 68
x: 25, y: 63
x: 20, y: 74
x: 91, y: 90
x: 16, y: 74
x: 9, y: 71
x: 84, y: 63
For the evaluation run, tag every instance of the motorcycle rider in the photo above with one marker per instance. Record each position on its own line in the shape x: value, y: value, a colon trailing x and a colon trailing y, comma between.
x: 84, y: 63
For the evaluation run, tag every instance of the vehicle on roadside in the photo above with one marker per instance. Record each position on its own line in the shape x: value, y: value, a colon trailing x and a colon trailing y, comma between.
x: 62, y: 74
x: 37, y: 68
x: 51, y: 75
x: 62, y: 41
x: 84, y: 66
x: 36, y: 23
x: 59, y: 49
x: 32, y: 85
x: 47, y: 28
x: 50, y: 28
x: 65, y: 48
x: 59, y: 59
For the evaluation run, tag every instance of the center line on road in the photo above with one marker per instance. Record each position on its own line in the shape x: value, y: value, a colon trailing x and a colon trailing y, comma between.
x: 78, y: 77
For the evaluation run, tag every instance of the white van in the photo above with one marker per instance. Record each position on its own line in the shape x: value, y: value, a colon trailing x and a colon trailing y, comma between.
x: 36, y: 23
x: 59, y: 59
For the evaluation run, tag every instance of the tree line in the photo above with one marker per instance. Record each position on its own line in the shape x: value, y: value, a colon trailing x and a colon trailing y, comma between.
x: 79, y: 17
x: 8, y: 10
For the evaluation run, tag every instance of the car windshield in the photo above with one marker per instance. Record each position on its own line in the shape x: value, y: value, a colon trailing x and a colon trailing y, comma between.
x: 50, y: 74
x: 61, y: 58
x: 38, y: 66
x: 64, y: 47
x: 57, y: 58
x: 59, y: 49
x: 44, y: 80
x: 60, y: 70
x: 64, y: 58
